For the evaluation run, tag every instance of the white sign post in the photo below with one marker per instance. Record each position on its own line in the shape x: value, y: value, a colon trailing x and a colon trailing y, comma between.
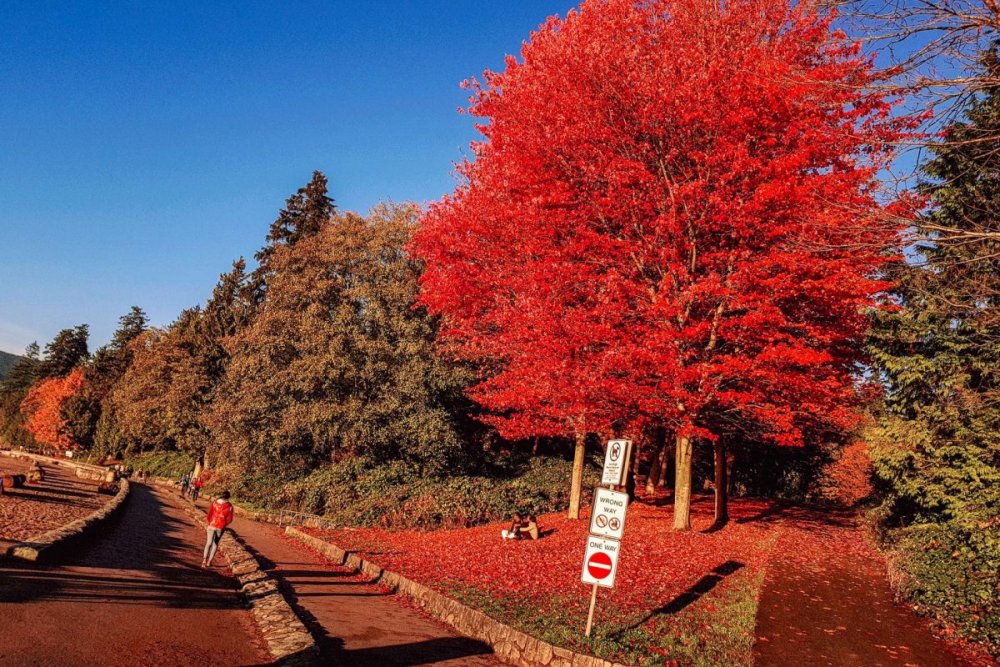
x: 616, y: 462
x: 607, y: 524
x: 607, y: 518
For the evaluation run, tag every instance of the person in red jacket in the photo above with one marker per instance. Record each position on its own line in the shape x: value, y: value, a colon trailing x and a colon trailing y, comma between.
x: 220, y: 515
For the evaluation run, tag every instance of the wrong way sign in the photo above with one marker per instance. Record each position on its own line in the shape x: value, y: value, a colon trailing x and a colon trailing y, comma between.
x: 600, y: 562
x: 607, y: 519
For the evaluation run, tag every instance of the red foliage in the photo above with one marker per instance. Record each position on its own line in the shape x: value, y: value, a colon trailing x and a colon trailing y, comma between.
x: 674, y: 214
x: 42, y: 410
x: 848, y: 479
x: 658, y: 566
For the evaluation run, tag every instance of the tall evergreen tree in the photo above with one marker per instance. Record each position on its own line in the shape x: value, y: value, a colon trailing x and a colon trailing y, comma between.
x: 66, y: 351
x: 304, y: 215
x: 83, y: 410
x: 338, y: 361
x: 13, y: 391
x: 936, y: 450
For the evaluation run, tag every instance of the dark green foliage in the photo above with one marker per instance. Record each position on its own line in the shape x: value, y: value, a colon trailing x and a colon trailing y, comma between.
x: 360, y: 491
x: 7, y: 362
x: 304, y: 215
x: 12, y: 391
x: 337, y: 362
x: 936, y: 451
x: 83, y: 411
x: 163, y: 464
x: 66, y: 351
x: 953, y: 572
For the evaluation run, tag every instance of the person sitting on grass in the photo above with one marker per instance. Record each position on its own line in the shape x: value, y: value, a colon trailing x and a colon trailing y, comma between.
x: 514, y: 532
x: 220, y: 515
x: 530, y: 529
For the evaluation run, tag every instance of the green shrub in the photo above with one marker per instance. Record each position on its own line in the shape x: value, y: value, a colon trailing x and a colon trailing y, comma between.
x: 396, y: 494
x: 952, y: 573
x: 162, y: 464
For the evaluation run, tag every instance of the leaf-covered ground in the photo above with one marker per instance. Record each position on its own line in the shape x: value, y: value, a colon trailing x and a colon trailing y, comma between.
x: 688, y: 597
x: 684, y: 596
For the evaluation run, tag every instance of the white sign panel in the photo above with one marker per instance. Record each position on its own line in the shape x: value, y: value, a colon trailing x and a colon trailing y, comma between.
x: 608, y: 516
x: 600, y: 562
x: 614, y: 462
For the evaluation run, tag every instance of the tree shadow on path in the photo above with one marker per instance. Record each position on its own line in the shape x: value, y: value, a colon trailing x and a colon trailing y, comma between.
x: 691, y: 595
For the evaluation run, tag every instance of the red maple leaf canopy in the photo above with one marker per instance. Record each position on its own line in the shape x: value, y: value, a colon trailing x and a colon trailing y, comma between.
x: 674, y: 215
x: 42, y: 409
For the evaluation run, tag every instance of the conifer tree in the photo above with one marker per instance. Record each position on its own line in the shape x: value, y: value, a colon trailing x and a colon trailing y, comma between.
x: 13, y: 391
x: 82, y: 410
x: 66, y: 351
x: 939, y: 350
x: 304, y: 214
x: 936, y: 447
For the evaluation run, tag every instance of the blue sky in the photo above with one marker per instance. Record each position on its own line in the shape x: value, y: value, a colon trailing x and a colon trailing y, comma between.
x: 144, y: 146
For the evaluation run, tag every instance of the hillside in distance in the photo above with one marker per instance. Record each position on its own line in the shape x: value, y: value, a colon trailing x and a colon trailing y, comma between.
x: 7, y: 361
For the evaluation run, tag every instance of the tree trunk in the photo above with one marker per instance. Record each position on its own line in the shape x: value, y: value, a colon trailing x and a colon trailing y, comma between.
x: 730, y: 463
x: 661, y: 483
x: 576, y: 485
x: 535, y: 446
x: 658, y: 468
x: 682, y: 483
x: 721, y: 484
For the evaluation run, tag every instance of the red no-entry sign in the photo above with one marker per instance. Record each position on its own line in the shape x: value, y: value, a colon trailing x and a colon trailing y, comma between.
x: 600, y: 562
x: 599, y: 566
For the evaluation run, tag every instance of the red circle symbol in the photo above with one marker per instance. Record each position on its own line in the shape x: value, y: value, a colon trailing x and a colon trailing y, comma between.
x: 599, y: 565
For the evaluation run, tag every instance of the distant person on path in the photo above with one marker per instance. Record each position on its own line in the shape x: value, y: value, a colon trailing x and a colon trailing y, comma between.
x: 514, y: 532
x: 185, y: 484
x: 220, y: 515
x: 196, y: 488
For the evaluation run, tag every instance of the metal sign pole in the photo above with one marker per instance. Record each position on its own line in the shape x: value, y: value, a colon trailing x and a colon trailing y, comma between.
x: 590, y: 614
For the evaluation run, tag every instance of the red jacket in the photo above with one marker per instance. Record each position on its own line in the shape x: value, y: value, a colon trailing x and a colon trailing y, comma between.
x: 220, y: 514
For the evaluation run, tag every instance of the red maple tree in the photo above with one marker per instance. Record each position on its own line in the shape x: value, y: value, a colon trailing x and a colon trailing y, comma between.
x: 42, y: 410
x: 673, y: 217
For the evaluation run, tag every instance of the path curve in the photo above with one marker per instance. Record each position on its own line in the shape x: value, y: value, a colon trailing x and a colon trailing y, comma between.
x: 132, y: 594
x: 826, y: 601
x: 356, y: 622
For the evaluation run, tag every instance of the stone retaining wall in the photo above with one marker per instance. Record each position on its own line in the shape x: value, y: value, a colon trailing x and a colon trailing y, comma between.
x: 288, y: 640
x: 32, y: 549
x: 510, y: 645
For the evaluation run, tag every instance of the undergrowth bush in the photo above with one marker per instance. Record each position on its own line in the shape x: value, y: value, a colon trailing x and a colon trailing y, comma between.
x: 162, y: 464
x: 358, y: 492
x: 951, y: 572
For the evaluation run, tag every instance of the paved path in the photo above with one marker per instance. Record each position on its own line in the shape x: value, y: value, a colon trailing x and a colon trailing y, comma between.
x: 826, y: 601
x: 132, y: 596
x: 356, y: 622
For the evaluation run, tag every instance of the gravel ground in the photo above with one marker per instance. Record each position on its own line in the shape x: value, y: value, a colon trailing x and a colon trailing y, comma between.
x: 36, y: 508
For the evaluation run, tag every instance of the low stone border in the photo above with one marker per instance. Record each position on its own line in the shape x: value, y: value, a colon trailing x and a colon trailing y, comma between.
x: 288, y: 640
x: 33, y: 548
x: 510, y: 645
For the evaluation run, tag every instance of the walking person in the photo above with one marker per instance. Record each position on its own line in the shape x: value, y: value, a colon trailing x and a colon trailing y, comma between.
x: 185, y: 483
x: 196, y: 489
x: 220, y: 515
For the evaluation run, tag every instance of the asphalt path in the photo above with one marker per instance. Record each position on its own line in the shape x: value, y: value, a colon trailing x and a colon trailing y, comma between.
x: 132, y: 593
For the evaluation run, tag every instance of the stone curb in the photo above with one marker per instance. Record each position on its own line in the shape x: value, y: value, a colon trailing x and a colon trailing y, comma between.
x: 288, y: 640
x: 510, y: 645
x: 33, y: 548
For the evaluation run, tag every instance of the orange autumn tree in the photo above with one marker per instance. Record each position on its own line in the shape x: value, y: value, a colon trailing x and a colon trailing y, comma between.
x: 42, y: 410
